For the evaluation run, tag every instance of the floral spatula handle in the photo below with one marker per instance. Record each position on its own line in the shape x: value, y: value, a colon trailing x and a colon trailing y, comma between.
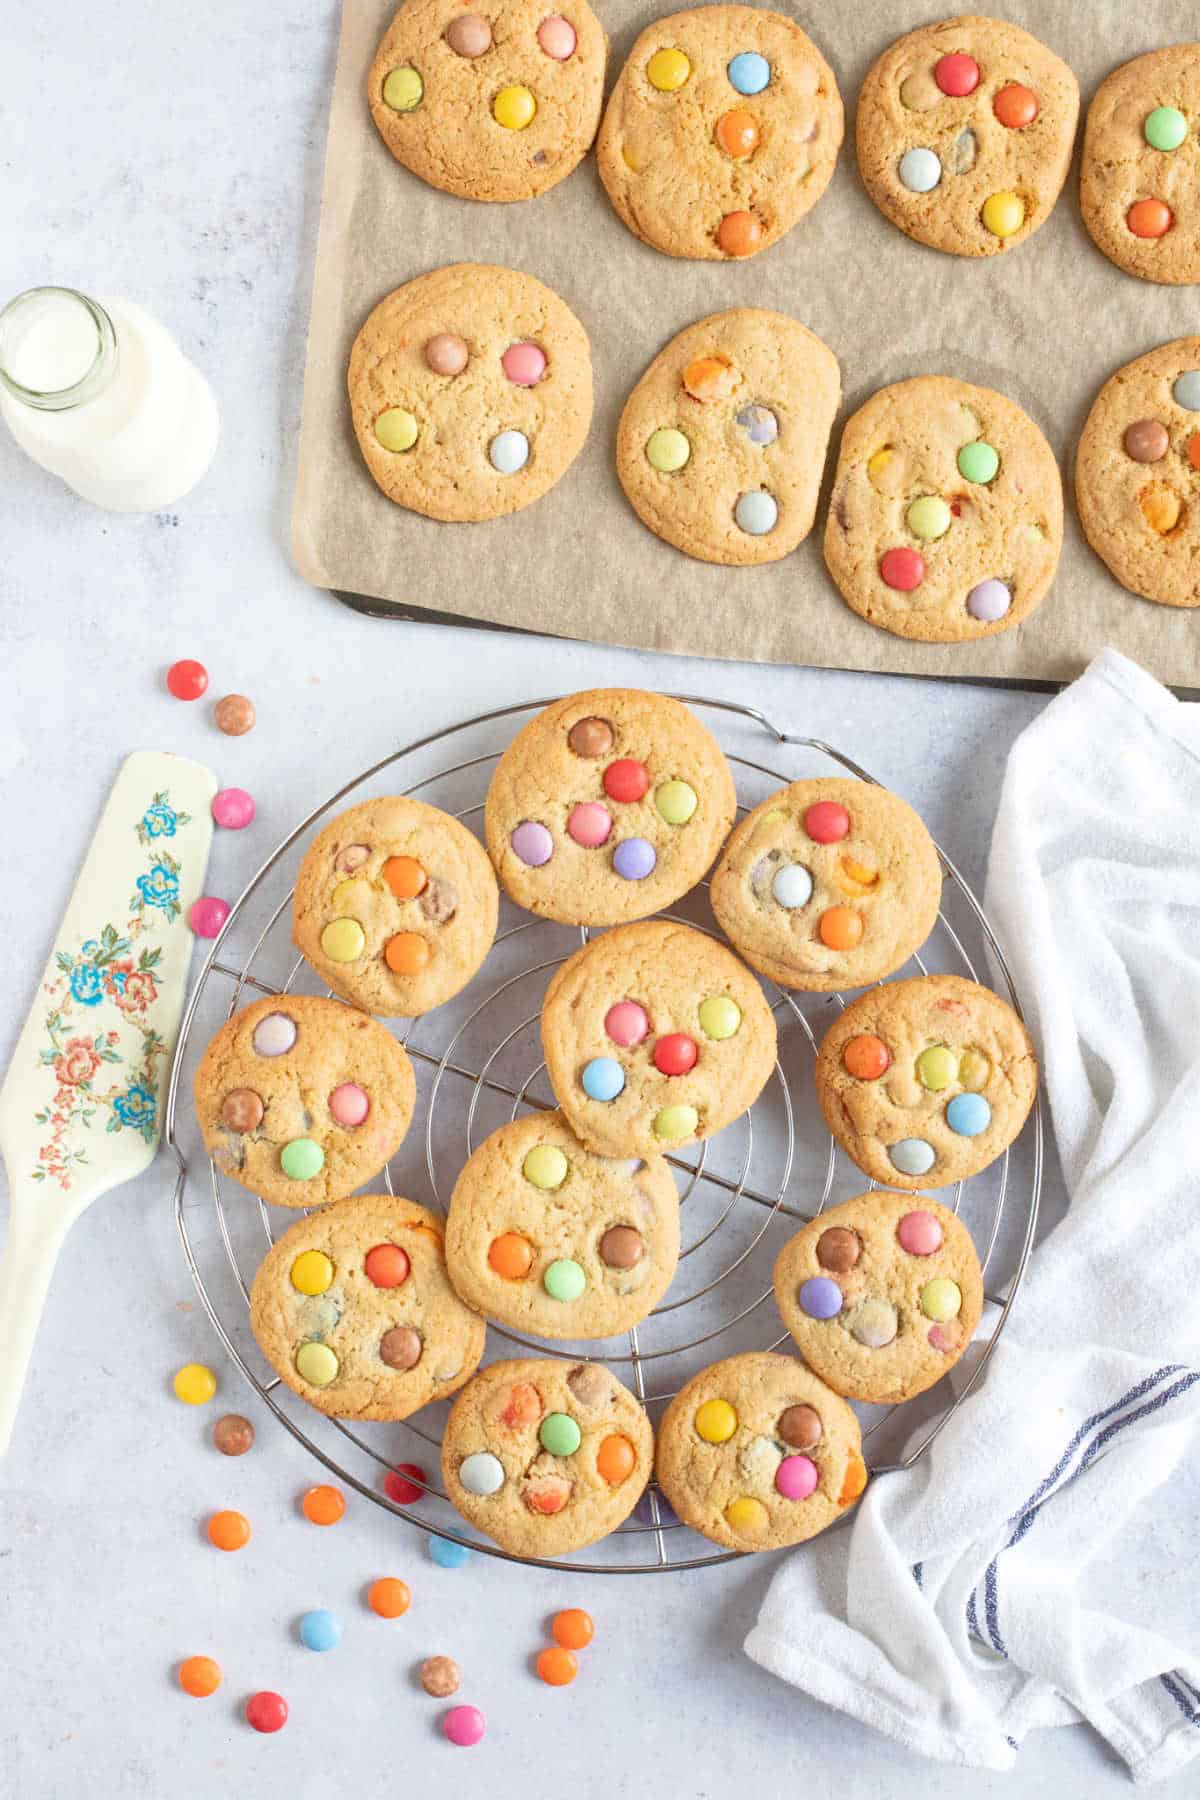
x: 81, y: 1104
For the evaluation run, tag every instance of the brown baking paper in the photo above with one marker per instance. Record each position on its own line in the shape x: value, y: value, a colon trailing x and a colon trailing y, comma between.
x: 1046, y: 323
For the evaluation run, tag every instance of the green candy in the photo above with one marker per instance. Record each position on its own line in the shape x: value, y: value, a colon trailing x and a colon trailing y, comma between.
x: 979, y: 462
x: 403, y: 90
x: 564, y: 1280
x: 936, y: 1067
x: 929, y: 517
x: 667, y: 450
x: 302, y: 1159
x: 676, y: 1122
x: 1165, y: 128
x: 316, y: 1364
x: 546, y: 1167
x: 941, y: 1299
x: 559, y: 1435
x: 719, y: 1017
x: 676, y: 802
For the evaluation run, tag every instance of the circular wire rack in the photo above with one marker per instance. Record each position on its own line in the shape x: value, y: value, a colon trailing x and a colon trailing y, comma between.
x: 478, y: 1058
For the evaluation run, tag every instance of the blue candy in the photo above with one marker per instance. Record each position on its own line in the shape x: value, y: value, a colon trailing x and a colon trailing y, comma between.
x: 968, y: 1114
x: 320, y: 1630
x: 448, y: 1555
x: 1186, y: 391
x: 749, y: 72
x: 602, y: 1078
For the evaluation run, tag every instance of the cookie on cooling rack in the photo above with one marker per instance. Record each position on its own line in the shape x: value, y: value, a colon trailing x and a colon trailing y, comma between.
x: 828, y: 884
x: 303, y: 1100
x: 881, y: 1295
x: 608, y: 806
x: 546, y: 1456
x: 395, y: 906
x: 655, y: 1035
x: 354, y: 1310
x: 757, y: 1453
x: 926, y: 1082
x: 545, y: 1237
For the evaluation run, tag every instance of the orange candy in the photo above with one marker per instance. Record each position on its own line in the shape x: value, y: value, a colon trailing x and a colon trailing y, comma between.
x: 386, y: 1265
x: 524, y: 1405
x: 1149, y: 218
x: 573, y: 1629
x: 840, y: 928
x: 200, y: 1676
x: 1161, y: 509
x: 737, y: 133
x: 405, y: 876
x: 854, y: 1481
x: 557, y: 1667
x: 389, y: 1597
x: 511, y: 1255
x: 615, y: 1460
x: 1193, y: 450
x: 406, y: 953
x: 1015, y: 106
x: 867, y: 1058
x: 710, y: 378
x: 323, y: 1505
x: 229, y: 1530
x: 739, y: 234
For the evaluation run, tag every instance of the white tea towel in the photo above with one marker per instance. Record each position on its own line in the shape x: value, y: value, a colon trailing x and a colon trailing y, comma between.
x: 958, y: 1611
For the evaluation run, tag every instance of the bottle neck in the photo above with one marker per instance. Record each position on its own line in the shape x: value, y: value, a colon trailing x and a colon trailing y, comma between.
x: 58, y: 349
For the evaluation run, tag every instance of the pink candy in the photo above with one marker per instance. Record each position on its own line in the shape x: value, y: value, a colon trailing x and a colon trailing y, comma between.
x: 919, y: 1233
x: 464, y: 1725
x: 349, y: 1104
x: 207, y: 915
x: 626, y: 1023
x: 796, y: 1477
x: 233, y: 808
x: 557, y: 38
x: 589, y: 824
x: 524, y: 364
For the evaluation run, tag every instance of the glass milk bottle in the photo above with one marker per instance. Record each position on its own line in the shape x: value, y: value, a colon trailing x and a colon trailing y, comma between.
x: 101, y: 395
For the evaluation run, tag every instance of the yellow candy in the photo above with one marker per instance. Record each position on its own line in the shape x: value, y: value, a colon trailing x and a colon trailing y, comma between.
x: 312, y: 1272
x: 936, y: 1068
x: 343, y: 940
x: 194, y: 1384
x: 403, y: 90
x: 941, y: 1298
x: 514, y: 108
x: 1003, y: 213
x: 347, y: 894
x: 396, y: 429
x: 316, y: 1364
x: 627, y: 159
x: 715, y: 1421
x: 676, y: 1122
x: 719, y: 1017
x: 854, y: 877
x: 667, y: 450
x: 748, y: 1517
x: 545, y: 1166
x: 676, y: 802
x: 879, y: 462
x: 1160, y: 508
x: 667, y: 70
x: 973, y: 1070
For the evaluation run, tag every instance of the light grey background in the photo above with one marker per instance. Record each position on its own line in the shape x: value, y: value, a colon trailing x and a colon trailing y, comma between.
x: 174, y: 156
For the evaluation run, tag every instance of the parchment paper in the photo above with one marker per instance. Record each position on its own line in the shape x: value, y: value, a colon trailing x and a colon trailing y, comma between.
x: 1046, y: 324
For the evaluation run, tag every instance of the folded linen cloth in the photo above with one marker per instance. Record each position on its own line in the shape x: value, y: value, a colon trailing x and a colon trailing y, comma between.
x: 958, y: 1612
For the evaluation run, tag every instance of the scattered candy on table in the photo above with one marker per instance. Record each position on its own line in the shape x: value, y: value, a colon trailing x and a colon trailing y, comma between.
x: 572, y: 1628
x: 405, y: 1492
x: 439, y: 1676
x: 232, y: 1434
x: 447, y: 1554
x: 323, y: 1505
x: 234, y: 715
x: 199, y: 1676
x: 207, y: 915
x: 267, y: 1711
x: 320, y: 1630
x: 194, y: 1384
x: 233, y: 809
x: 229, y: 1530
x: 187, y: 679
x: 556, y: 1666
x: 464, y: 1725
x: 389, y: 1597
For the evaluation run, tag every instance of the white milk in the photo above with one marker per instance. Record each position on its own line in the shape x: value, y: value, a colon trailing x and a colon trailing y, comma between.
x: 101, y: 395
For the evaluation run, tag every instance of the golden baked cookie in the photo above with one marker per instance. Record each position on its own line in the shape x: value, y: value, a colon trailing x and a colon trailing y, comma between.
x: 881, y: 1294
x: 545, y: 1237
x: 495, y: 104
x: 946, y: 518
x: 354, y: 1310
x: 303, y: 1100
x: 395, y: 906
x: 757, y: 1453
x: 655, y: 1035
x: 721, y: 133
x: 722, y: 442
x: 828, y: 884
x: 546, y: 1456
x: 470, y: 392
x: 607, y: 806
x: 965, y: 130
x: 1137, y: 474
x: 926, y: 1082
x: 1139, y: 179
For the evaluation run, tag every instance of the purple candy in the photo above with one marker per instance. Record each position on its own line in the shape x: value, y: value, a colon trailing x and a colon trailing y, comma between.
x: 634, y: 859
x: 532, y: 843
x: 989, y: 601
x: 820, y: 1298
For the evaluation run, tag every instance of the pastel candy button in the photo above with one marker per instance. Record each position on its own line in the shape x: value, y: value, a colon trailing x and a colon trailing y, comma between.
x: 508, y: 452
x: 866, y: 1057
x: 826, y: 822
x: 634, y: 859
x: 524, y: 364
x: 301, y: 1159
x: 796, y: 1477
x: 557, y: 37
x: 621, y: 1247
x: 481, y: 1473
x: 715, y: 1421
x: 1149, y: 218
x: 667, y: 450
x: 956, y: 75
x: 968, y: 1114
x: 912, y: 1156
x: 749, y: 72
x: 510, y: 1256
x: 242, y: 1110
x: 759, y: 424
x: 343, y: 940
x: 1015, y: 106
x: 800, y: 1427
x: 564, y: 1280
x: 902, y: 569
x: 748, y: 1517
x: 1003, y: 213
x: 626, y: 780
x: 989, y: 601
x: 469, y: 36
x: 274, y: 1035
x: 1186, y: 391
x: 719, y: 1017
x: 405, y: 876
x: 820, y: 1298
x: 1146, y: 440
x: 545, y: 1166
x: 792, y: 886
x: 447, y: 353
x: 756, y: 512
x: 312, y: 1272
x: 400, y: 1348
x: 626, y: 1023
x: 919, y: 1233
x: 403, y: 90
x: 675, y: 1053
x: 838, y: 1249
x: 1165, y: 128
x: 675, y: 801
x: 874, y: 1324
x: 514, y: 108
x: 589, y: 824
x: 739, y: 233
x: 316, y: 1364
x: 602, y: 1078
x: 320, y: 1630
x: 920, y: 171
x: 532, y: 844
x: 396, y: 429
x: 386, y: 1266
x: 737, y: 133
x: 941, y: 1299
x: 979, y: 462
x: 667, y: 70
x: 840, y: 928
x: 928, y: 517
x: 349, y: 1104
x: 936, y: 1067
x: 675, y: 1122
x: 559, y: 1434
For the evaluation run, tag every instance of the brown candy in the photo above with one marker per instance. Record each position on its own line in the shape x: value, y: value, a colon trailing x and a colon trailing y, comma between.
x: 234, y: 715
x: 591, y: 737
x: 469, y: 36
x: 440, y: 1674
x: 621, y: 1247
x: 447, y: 353
x: 439, y: 901
x: 1146, y: 441
x: 400, y: 1348
x: 242, y: 1110
x: 838, y: 1249
x: 232, y: 1434
x: 800, y: 1427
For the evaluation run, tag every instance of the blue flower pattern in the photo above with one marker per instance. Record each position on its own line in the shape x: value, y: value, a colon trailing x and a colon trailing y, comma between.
x: 86, y: 982
x: 158, y: 820
x: 160, y: 887
x: 136, y: 1108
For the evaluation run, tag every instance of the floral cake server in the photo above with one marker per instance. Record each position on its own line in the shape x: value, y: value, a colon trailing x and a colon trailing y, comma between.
x: 81, y: 1104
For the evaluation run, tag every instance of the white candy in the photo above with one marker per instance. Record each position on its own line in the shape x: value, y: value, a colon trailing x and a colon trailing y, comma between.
x: 792, y: 885
x: 508, y: 452
x: 482, y: 1473
x: 756, y: 512
x: 920, y: 171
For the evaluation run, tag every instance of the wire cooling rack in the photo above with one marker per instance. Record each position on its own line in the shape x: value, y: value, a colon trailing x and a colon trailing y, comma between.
x: 478, y: 1062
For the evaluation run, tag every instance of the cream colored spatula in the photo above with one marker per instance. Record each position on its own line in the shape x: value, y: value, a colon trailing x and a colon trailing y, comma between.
x: 81, y: 1105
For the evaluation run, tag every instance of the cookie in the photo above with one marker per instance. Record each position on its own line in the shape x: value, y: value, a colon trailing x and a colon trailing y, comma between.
x: 756, y: 1453
x: 1137, y: 474
x: 470, y: 392
x: 607, y: 806
x: 828, y: 884
x: 946, y: 519
x: 722, y: 442
x: 545, y: 1456
x: 353, y: 1309
x: 965, y: 130
x: 926, y: 1082
x: 498, y: 104
x: 655, y: 1035
x: 303, y: 1100
x: 1139, y: 179
x: 395, y: 906
x: 721, y: 133
x: 543, y: 1236
x: 882, y: 1294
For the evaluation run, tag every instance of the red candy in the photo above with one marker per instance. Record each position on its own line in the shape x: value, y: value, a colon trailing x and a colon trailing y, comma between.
x: 401, y: 1491
x: 386, y: 1265
x: 956, y: 75
x: 902, y: 569
x: 626, y: 780
x: 826, y: 822
x: 187, y: 680
x: 267, y: 1711
x: 675, y: 1054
